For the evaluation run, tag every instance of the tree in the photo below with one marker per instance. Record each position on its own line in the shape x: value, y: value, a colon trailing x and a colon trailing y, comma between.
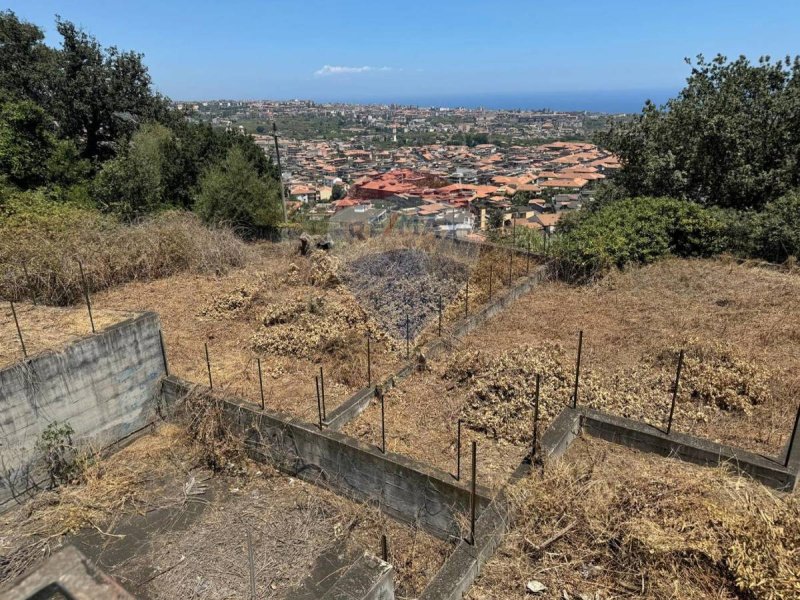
x: 134, y: 182
x: 730, y: 138
x: 233, y: 192
x: 26, y: 142
x: 337, y: 192
x: 100, y: 94
x: 777, y: 229
x: 26, y: 64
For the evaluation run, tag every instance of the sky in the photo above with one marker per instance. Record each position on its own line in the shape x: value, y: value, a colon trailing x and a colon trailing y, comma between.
x: 581, y: 54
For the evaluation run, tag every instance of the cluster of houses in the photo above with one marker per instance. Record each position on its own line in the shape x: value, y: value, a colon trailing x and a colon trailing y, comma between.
x: 456, y: 190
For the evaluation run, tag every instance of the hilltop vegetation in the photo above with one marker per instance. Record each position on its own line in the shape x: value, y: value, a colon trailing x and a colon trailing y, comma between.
x: 716, y: 169
x: 81, y: 124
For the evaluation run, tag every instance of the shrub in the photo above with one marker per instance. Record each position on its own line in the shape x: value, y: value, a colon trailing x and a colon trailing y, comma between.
x: 776, y: 230
x: 634, y: 230
x: 48, y: 239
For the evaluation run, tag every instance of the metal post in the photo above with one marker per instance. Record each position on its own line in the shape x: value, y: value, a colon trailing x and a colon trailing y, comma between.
x: 30, y: 283
x: 86, y: 294
x: 369, y: 363
x: 19, y: 331
x: 319, y: 410
x: 208, y: 366
x: 528, y: 258
x: 383, y: 426
x: 472, y: 495
x: 458, y: 451
x: 510, y: 267
x: 408, y: 333
x: 280, y: 172
x: 491, y: 273
x: 440, y: 315
x: 260, y: 382
x: 384, y: 548
x: 322, y: 390
x: 675, y: 391
x: 252, y: 565
x: 466, y: 299
x: 577, y: 370
x: 163, y: 352
x: 536, y: 417
x: 792, y: 438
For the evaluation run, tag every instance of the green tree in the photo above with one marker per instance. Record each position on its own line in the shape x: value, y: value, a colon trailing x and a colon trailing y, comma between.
x: 26, y: 143
x: 337, y: 192
x: 100, y: 93
x: 26, y: 64
x: 233, y: 192
x: 777, y: 229
x: 133, y: 183
x: 730, y: 138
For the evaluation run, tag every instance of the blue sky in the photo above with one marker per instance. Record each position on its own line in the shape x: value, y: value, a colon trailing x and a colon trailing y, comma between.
x: 497, y: 50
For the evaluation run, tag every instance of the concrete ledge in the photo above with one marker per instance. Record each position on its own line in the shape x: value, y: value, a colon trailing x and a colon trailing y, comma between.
x: 403, y: 488
x: 686, y: 447
x: 66, y: 574
x: 461, y: 568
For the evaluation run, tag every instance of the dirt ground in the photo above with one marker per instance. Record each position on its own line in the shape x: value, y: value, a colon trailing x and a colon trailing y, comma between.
x: 606, y: 522
x: 164, y: 526
x: 628, y: 318
x: 421, y: 417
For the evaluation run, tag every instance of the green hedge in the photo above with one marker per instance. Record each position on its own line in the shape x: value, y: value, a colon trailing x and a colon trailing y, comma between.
x: 634, y: 230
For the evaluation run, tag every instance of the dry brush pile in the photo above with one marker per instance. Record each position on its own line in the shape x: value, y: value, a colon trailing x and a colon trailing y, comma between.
x: 623, y: 525
x: 405, y: 283
x: 501, y: 389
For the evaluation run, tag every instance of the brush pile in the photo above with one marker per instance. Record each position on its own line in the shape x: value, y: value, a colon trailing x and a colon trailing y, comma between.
x: 647, y: 527
x: 501, y: 389
x: 404, y: 283
x: 327, y: 324
x: 320, y: 269
x: 230, y: 306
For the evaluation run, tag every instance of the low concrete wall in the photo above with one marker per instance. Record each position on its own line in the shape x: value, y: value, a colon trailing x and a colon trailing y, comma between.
x: 461, y: 568
x: 358, y: 402
x: 104, y: 385
x: 686, y: 447
x: 403, y: 488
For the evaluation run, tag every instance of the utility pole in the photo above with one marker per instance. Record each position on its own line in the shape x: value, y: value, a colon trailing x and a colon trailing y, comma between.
x: 280, y: 172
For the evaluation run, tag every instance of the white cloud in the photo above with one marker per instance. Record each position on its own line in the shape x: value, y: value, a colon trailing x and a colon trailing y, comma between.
x: 338, y: 70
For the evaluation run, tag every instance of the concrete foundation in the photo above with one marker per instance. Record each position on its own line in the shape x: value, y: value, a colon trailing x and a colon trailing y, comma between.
x: 104, y: 385
x: 408, y: 490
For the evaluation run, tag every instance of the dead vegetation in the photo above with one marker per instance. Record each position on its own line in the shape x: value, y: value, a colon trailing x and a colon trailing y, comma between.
x: 740, y: 325
x: 501, y: 389
x: 39, y: 256
x: 607, y: 522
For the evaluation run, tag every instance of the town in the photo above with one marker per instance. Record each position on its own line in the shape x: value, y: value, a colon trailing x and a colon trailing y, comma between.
x: 481, y: 170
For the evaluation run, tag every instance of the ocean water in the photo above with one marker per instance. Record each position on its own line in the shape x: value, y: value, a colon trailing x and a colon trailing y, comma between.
x: 606, y: 101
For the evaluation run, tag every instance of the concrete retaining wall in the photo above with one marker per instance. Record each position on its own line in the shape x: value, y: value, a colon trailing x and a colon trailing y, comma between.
x: 461, y: 568
x: 358, y: 402
x: 403, y: 488
x: 686, y: 447
x: 104, y: 385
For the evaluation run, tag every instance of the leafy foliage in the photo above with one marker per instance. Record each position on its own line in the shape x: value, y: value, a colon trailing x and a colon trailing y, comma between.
x: 634, y: 230
x: 55, y: 443
x: 730, y: 138
x: 233, y: 192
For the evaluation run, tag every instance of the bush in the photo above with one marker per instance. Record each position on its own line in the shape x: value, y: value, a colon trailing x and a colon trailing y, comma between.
x: 634, y: 230
x: 776, y: 230
x: 49, y: 238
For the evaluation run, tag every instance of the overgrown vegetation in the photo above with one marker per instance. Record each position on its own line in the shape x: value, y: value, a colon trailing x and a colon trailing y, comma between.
x: 41, y: 243
x: 59, y: 453
x: 80, y: 123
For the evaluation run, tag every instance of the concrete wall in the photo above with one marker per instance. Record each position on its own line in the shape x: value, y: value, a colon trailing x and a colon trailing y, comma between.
x: 401, y: 487
x: 104, y: 385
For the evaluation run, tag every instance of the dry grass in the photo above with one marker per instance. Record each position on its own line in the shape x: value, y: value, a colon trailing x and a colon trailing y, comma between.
x: 153, y: 517
x: 639, y: 526
x: 49, y: 327
x: 49, y: 247
x: 632, y: 318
